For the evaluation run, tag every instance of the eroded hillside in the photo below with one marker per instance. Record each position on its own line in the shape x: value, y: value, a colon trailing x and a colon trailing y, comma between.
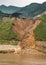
x: 24, y: 29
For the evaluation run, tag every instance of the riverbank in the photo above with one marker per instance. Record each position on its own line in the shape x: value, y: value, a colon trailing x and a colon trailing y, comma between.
x: 9, y: 48
x: 41, y: 49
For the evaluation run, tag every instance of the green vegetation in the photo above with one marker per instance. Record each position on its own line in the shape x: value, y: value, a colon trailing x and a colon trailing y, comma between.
x: 40, y: 32
x: 6, y: 32
x: 7, y: 35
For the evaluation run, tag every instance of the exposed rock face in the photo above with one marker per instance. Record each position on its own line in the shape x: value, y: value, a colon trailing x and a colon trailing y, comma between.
x: 23, y: 27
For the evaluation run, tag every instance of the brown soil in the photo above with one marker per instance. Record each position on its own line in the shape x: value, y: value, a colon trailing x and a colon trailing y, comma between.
x: 24, y: 29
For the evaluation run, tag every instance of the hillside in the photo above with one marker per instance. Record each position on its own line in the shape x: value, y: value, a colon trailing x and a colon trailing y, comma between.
x: 28, y: 11
x: 9, y: 10
x: 32, y: 10
x: 40, y: 31
x: 6, y: 32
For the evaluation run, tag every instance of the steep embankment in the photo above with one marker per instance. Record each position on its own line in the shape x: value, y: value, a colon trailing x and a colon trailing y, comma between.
x: 24, y: 28
x: 22, y: 25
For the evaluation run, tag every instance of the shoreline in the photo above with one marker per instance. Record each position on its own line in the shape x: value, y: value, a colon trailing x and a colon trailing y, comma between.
x: 16, y: 49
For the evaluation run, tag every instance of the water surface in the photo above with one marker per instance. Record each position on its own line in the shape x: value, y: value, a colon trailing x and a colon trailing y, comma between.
x: 22, y: 59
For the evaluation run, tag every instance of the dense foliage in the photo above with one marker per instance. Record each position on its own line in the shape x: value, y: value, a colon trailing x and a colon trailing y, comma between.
x: 6, y: 32
x: 40, y: 31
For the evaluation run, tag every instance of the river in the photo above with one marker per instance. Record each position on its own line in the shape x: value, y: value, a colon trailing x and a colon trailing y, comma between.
x: 22, y: 59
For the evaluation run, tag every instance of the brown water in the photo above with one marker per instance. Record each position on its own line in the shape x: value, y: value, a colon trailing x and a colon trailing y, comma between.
x: 25, y: 59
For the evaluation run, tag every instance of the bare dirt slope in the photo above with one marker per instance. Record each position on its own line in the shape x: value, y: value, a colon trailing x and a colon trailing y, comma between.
x: 24, y: 29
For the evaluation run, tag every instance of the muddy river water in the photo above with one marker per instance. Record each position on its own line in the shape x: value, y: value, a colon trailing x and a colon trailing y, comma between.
x: 22, y: 59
